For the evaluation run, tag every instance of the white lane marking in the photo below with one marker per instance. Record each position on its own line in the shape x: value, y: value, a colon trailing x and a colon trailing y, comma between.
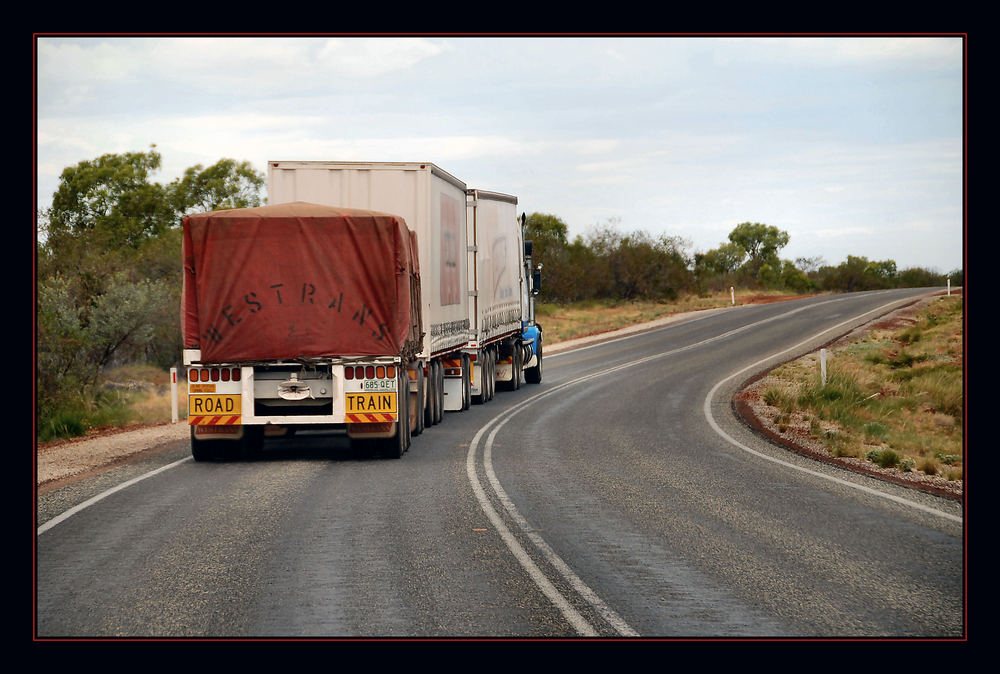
x: 103, y: 495
x: 578, y: 622
x: 707, y: 408
x: 524, y: 559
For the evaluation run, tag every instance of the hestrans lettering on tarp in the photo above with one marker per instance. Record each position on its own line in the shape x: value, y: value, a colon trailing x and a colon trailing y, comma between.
x: 253, y: 303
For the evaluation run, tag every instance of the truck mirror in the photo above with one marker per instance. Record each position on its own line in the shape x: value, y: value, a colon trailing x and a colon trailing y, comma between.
x: 529, y: 246
x: 536, y: 280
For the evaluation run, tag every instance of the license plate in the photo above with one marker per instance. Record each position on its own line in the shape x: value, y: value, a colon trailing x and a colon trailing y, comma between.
x: 200, y: 406
x: 379, y: 385
x: 382, y: 402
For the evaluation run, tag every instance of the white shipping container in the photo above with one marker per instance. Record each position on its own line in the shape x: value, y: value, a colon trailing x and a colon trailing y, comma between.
x: 433, y: 204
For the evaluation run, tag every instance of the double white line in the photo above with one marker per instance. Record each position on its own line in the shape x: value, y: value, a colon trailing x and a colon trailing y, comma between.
x: 490, y: 430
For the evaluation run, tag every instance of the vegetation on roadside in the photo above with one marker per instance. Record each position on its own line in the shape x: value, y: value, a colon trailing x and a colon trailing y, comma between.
x: 895, y: 397
x: 108, y: 282
x: 572, y: 320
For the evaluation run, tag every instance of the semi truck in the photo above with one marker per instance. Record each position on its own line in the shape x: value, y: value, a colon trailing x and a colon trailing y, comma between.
x: 367, y: 299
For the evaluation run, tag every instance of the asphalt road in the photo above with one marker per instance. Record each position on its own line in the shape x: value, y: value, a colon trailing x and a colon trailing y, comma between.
x: 618, y: 498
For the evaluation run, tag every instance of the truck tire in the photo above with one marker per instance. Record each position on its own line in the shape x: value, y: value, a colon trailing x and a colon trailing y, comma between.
x: 518, y: 366
x: 483, y: 394
x: 491, y: 374
x: 428, y: 409
x: 440, y: 393
x: 217, y: 450
x: 466, y: 382
x: 252, y: 443
x: 201, y: 450
x: 396, y: 446
x: 436, y: 401
x: 533, y: 375
x: 417, y: 405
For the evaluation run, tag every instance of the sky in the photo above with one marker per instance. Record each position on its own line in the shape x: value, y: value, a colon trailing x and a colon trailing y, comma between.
x: 852, y: 145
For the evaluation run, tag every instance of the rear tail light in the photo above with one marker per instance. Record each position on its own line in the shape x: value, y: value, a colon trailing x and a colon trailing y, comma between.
x: 369, y: 372
x: 214, y: 374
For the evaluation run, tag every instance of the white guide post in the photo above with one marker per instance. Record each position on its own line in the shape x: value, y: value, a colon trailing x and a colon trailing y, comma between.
x: 173, y: 395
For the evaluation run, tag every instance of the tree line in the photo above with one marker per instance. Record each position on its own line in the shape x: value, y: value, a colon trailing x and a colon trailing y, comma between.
x: 108, y: 269
x: 610, y: 264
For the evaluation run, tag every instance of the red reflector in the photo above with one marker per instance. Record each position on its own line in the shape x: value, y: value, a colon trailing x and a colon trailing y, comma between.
x: 204, y: 375
x: 390, y: 372
x: 237, y: 372
x: 370, y: 372
x: 348, y: 372
x: 225, y: 375
x: 215, y: 374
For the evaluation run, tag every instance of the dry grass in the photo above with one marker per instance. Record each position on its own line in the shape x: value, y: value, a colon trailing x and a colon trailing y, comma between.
x: 582, y: 319
x: 894, y: 398
x: 149, y: 393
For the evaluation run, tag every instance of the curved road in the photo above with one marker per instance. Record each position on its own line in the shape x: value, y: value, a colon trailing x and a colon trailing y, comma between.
x: 619, y: 498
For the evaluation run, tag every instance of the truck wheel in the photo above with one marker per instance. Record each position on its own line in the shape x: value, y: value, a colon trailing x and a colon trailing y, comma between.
x: 428, y: 408
x: 517, y: 368
x: 252, y: 443
x: 533, y: 375
x: 483, y: 394
x: 440, y: 393
x: 491, y: 374
x: 395, y: 447
x: 201, y: 450
x: 466, y: 382
x: 417, y: 405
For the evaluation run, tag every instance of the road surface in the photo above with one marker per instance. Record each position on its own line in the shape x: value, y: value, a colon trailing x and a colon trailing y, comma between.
x: 619, y: 498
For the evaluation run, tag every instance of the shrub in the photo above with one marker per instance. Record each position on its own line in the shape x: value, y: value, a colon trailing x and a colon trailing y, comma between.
x: 874, y: 429
x: 884, y: 457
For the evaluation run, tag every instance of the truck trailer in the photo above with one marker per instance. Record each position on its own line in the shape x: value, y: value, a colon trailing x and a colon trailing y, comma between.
x: 299, y: 315
x: 365, y: 298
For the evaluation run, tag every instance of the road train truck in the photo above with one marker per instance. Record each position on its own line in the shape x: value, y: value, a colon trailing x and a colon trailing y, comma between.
x: 365, y: 298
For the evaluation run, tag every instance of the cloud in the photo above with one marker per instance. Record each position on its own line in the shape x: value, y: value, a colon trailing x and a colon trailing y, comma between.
x: 77, y: 69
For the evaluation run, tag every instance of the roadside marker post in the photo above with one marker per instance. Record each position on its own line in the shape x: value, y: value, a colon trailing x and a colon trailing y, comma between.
x: 822, y: 365
x: 173, y: 395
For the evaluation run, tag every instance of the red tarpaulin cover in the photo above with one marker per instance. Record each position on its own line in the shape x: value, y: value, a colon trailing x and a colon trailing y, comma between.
x: 299, y: 280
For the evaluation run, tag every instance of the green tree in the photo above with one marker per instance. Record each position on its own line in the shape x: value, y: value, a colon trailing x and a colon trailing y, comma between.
x: 112, y: 199
x: 761, y: 244
x: 108, y: 266
x: 885, y: 270
x: 794, y: 278
x: 640, y: 265
x: 725, y: 259
x: 226, y: 184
